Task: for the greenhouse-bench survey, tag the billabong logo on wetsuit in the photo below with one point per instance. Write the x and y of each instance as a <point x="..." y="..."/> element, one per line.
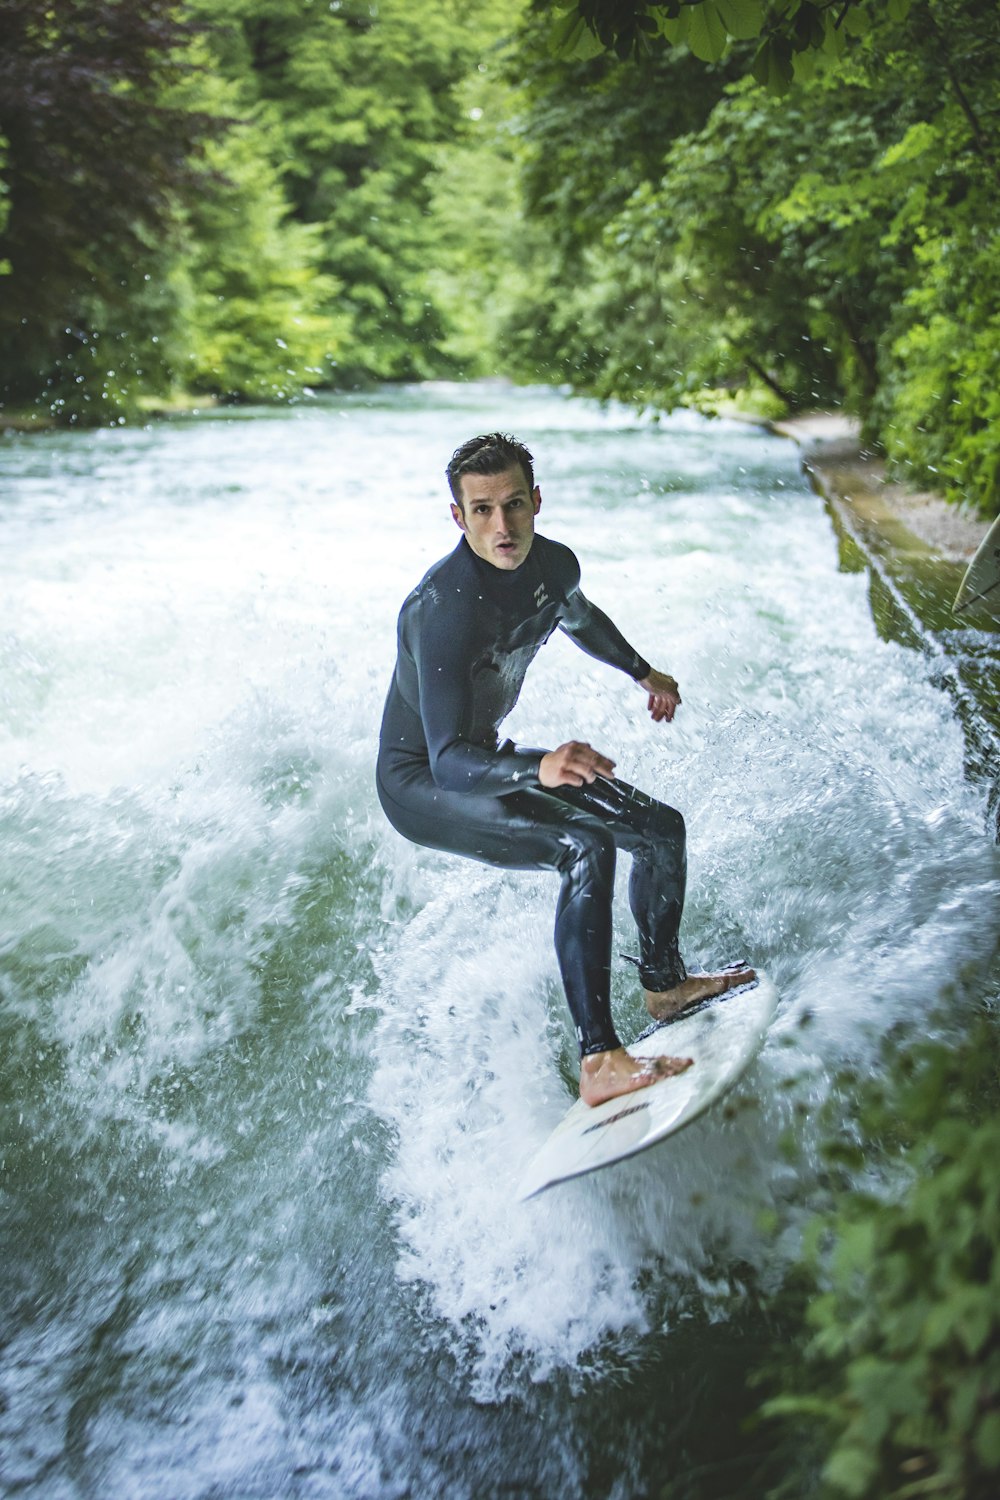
<point x="541" y="597"/>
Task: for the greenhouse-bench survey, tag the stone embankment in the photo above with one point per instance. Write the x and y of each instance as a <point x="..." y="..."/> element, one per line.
<point x="915" y="548"/>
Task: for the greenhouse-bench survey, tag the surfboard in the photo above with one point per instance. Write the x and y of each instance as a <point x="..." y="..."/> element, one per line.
<point x="982" y="576"/>
<point x="722" y="1034"/>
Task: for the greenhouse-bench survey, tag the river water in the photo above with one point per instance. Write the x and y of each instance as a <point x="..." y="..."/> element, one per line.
<point x="270" y="1075"/>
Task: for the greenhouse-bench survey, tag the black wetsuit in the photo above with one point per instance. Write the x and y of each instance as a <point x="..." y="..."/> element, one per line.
<point x="467" y="635"/>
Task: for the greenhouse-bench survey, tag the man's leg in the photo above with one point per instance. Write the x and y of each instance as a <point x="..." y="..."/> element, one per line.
<point x="654" y="835"/>
<point x="533" y="830"/>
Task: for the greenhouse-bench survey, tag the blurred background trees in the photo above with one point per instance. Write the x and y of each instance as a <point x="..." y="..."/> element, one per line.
<point x="91" y="161"/>
<point x="787" y="203"/>
<point x="231" y="197"/>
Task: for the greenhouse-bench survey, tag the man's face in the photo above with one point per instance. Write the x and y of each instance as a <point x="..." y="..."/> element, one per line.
<point x="497" y="515"/>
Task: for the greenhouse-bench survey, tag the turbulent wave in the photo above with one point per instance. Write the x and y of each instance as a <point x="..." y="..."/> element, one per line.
<point x="270" y="1074"/>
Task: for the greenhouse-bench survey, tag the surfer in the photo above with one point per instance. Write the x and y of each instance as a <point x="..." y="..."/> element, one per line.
<point x="466" y="636"/>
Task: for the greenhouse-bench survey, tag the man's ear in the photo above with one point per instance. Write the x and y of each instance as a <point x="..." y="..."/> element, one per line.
<point x="536" y="500"/>
<point x="458" y="516"/>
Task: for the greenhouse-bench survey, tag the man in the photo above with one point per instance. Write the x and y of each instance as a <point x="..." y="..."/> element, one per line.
<point x="466" y="637"/>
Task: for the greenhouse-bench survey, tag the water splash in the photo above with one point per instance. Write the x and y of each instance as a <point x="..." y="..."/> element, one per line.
<point x="270" y="1074"/>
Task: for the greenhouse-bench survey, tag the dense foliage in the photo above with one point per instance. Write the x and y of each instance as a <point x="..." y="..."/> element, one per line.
<point x="663" y="201"/>
<point x="91" y="160"/>
<point x="832" y="239"/>
<point x="901" y="1370"/>
<point x="784" y="30"/>
<point x="234" y="197"/>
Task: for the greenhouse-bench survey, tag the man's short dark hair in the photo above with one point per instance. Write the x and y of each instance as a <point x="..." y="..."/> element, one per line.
<point x="491" y="453"/>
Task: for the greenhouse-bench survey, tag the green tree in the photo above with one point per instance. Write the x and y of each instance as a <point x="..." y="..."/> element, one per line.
<point x="939" y="407"/>
<point x="241" y="197"/>
<point x="485" y="265"/>
<point x="359" y="101"/>
<point x="249" y="313"/>
<point x="590" y="134"/>
<point x="771" y="268"/>
<point x="93" y="161"/>
<point x="831" y="241"/>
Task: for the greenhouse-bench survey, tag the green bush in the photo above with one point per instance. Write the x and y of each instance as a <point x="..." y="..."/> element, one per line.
<point x="941" y="401"/>
<point x="900" y="1374"/>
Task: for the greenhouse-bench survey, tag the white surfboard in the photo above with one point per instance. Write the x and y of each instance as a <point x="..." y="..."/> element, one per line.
<point x="982" y="576"/>
<point x="722" y="1035"/>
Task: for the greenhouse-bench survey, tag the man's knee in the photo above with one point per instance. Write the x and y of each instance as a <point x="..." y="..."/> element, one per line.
<point x="673" y="825"/>
<point x="664" y="825"/>
<point x="588" y="851"/>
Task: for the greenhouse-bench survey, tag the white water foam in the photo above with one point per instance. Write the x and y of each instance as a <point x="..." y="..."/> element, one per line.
<point x="832" y="841"/>
<point x="202" y="631"/>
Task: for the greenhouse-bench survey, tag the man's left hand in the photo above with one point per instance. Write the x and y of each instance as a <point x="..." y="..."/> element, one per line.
<point x="664" y="695"/>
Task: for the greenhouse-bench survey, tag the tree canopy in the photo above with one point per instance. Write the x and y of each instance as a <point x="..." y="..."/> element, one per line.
<point x="832" y="238"/>
<point x="788" y="202"/>
<point x="91" y="160"/>
<point x="785" y="31"/>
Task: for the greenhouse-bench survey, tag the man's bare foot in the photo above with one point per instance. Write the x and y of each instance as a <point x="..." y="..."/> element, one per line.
<point x="662" y="1004"/>
<point x="605" y="1075"/>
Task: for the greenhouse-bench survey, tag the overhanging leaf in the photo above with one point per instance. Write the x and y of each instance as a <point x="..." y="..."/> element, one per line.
<point x="834" y="37"/>
<point x="743" y="18"/>
<point x="573" y="38"/>
<point x="772" y="66"/>
<point x="707" y="34"/>
<point x="804" y="65"/>
<point x="675" y="28"/>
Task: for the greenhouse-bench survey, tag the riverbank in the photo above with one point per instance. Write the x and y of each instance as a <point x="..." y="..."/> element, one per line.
<point x="147" y="409"/>
<point x="915" y="547"/>
<point x="832" y="450"/>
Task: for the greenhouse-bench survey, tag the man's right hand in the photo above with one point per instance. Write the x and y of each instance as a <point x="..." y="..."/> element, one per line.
<point x="573" y="764"/>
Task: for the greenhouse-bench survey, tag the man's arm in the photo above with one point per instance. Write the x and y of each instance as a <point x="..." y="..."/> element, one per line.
<point x="596" y="634"/>
<point x="600" y="637"/>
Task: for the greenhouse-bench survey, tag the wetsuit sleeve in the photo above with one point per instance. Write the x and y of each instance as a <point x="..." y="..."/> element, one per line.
<point x="594" y="633"/>
<point x="445" y="704"/>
